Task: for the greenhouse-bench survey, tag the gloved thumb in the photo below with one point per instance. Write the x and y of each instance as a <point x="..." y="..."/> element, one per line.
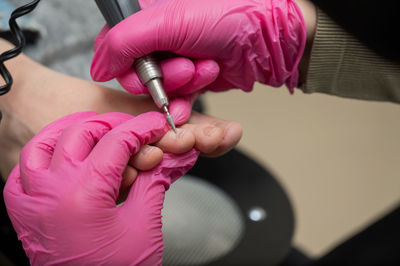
<point x="111" y="154"/>
<point x="181" y="108"/>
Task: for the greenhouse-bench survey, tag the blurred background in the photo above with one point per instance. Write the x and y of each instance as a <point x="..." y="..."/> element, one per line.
<point x="338" y="159"/>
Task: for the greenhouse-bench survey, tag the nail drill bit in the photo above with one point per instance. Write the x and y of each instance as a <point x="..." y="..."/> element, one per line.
<point x="170" y="119"/>
<point x="149" y="73"/>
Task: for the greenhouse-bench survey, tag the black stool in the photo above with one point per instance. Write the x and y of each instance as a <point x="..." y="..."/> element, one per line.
<point x="264" y="207"/>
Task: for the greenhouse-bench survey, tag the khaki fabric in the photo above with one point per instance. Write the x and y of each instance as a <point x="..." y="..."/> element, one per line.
<point x="343" y="66"/>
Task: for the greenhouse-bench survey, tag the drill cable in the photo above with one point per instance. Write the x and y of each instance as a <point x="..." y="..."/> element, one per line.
<point x="20" y="40"/>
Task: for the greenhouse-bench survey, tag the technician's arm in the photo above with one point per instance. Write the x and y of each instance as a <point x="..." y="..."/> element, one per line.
<point x="373" y="23"/>
<point x="347" y="64"/>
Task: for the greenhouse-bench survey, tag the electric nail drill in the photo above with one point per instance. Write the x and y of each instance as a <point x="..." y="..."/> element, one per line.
<point x="146" y="67"/>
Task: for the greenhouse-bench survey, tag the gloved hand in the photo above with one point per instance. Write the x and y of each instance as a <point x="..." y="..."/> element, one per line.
<point x="61" y="196"/>
<point x="251" y="40"/>
<point x="181" y="76"/>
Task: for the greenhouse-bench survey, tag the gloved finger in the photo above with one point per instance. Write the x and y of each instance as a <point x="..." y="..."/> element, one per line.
<point x="148" y="157"/>
<point x="206" y="73"/>
<point x="13" y="187"/>
<point x="38" y="152"/>
<point x="146" y="3"/>
<point x="116" y="54"/>
<point x="222" y="83"/>
<point x="78" y="140"/>
<point x="176" y="71"/>
<point x="181" y="107"/>
<point x="100" y="37"/>
<point x="14" y="194"/>
<point x="143" y="4"/>
<point x="112" y="153"/>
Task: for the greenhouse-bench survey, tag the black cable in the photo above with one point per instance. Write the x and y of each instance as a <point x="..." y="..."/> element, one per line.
<point x="20" y="40"/>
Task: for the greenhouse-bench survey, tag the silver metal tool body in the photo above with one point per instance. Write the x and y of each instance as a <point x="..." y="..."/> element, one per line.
<point x="149" y="73"/>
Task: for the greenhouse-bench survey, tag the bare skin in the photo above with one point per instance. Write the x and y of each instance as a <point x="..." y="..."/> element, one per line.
<point x="39" y="96"/>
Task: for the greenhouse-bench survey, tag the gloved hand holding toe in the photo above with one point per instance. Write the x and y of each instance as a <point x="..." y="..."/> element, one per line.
<point x="61" y="197"/>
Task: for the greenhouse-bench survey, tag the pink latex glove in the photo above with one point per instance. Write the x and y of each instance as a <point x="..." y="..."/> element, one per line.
<point x="251" y="40"/>
<point x="61" y="196"/>
<point x="181" y="76"/>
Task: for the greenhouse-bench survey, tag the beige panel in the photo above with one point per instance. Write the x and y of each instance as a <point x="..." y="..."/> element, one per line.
<point x="339" y="159"/>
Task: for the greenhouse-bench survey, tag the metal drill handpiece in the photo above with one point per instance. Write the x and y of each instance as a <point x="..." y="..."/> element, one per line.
<point x="150" y="75"/>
